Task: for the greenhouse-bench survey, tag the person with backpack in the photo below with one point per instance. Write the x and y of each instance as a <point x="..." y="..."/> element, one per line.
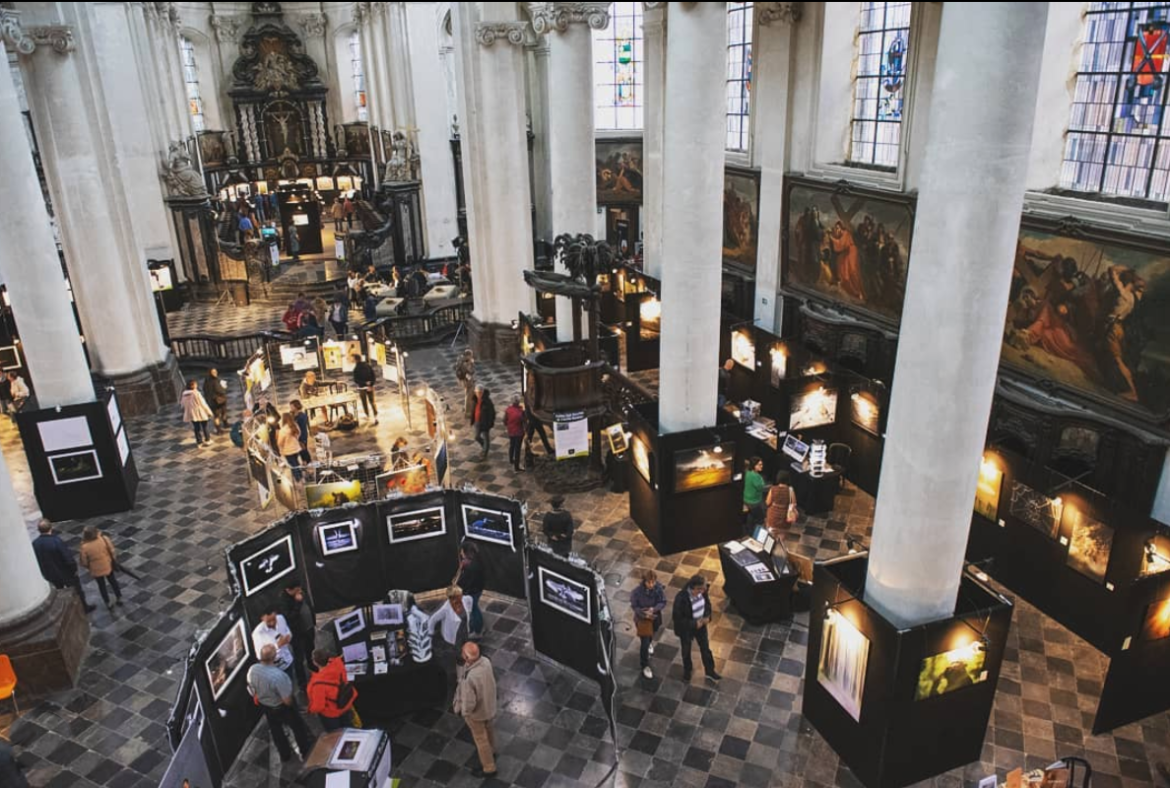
<point x="330" y="693"/>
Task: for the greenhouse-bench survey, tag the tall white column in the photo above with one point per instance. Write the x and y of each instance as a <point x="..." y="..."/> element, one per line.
<point x="654" y="90"/>
<point x="965" y="237"/>
<point x="570" y="29"/>
<point x="379" y="60"/>
<point x="22" y="589"/>
<point x="397" y="55"/>
<point x="692" y="236"/>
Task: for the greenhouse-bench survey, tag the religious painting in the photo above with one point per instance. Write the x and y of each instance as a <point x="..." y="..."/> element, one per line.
<point x="951" y="670"/>
<point x="1156" y="622"/>
<point x="619" y="171"/>
<point x="357" y="140"/>
<point x="843" y="661"/>
<point x="848" y="244"/>
<point x="817" y="408"/>
<point x="1089" y="545"/>
<point x="212" y="148"/>
<point x="702" y="467"/>
<point x="987" y="491"/>
<point x="1036" y="509"/>
<point x="741" y="217"/>
<point x="1089" y="313"/>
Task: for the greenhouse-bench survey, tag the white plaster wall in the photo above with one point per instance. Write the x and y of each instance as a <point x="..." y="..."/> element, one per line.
<point x="1062" y="42"/>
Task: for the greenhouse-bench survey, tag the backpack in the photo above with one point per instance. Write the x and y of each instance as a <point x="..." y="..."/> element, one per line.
<point x="345" y="693"/>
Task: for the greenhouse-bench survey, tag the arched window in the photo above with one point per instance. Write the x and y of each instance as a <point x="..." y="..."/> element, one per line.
<point x="879" y="89"/>
<point x="359" y="76"/>
<point x="739" y="75"/>
<point x="191" y="81"/>
<point x="1117" y="139"/>
<point x="617" y="70"/>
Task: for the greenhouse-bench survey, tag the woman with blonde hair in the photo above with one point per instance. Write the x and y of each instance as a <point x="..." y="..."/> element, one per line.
<point x="288" y="442"/>
<point x="99" y="557"/>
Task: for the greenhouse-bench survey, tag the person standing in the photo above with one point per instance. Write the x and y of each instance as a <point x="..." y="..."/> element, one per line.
<point x="465" y="374"/>
<point x="303" y="624"/>
<point x="288" y="443"/>
<point x="337" y="212"/>
<point x="294" y="242"/>
<point x="453" y="622"/>
<point x="215" y="394"/>
<point x="534" y="426"/>
<point x="514" y="426"/>
<point x="356" y="284"/>
<point x="691" y="614"/>
<point x="302" y="420"/>
<point x="470" y="579"/>
<point x="197" y="412"/>
<point x="781" y="506"/>
<point x="364" y="378"/>
<point x="321" y="309"/>
<point x="348" y="210"/>
<point x="558" y="527"/>
<point x="648" y="601"/>
<point x="5" y="394"/>
<point x="56" y="562"/>
<point x="339" y="315"/>
<point x="98" y="557"/>
<point x="475" y="700"/>
<point x="753" y="492"/>
<point x="272" y="689"/>
<point x="18" y="390"/>
<point x="273" y="630"/>
<point x="330" y="693"/>
<point x="485" y="419"/>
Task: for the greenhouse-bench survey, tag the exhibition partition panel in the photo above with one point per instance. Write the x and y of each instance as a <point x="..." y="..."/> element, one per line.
<point x="263" y="565"/>
<point x="1135" y="685"/>
<point x="496" y="526"/>
<point x="420" y="537"/>
<point x="343" y="556"/>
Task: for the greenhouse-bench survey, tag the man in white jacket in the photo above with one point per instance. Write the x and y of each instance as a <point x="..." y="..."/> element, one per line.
<point x="452" y="621"/>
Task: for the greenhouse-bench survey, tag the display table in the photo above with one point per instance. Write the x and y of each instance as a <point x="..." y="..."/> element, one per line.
<point x="402" y="689"/>
<point x="757" y="602"/>
<point x="328" y="404"/>
<point x="814" y="494"/>
<point x="316" y="771"/>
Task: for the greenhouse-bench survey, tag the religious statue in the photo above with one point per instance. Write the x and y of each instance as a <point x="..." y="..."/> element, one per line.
<point x="179" y="173"/>
<point x="399" y="168"/>
<point x="276" y="72"/>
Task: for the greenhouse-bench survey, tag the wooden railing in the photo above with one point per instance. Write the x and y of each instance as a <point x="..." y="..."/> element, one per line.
<point x="222" y="349"/>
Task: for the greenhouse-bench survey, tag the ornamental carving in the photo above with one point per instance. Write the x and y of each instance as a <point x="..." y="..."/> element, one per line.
<point x="788" y="13"/>
<point x="180" y="176"/>
<point x="168" y="14"/>
<point x="227" y="28"/>
<point x="313" y="24"/>
<point x="558" y="16"/>
<point x="273" y="63"/>
<point x="486" y="33"/>
<point x="25" y="40"/>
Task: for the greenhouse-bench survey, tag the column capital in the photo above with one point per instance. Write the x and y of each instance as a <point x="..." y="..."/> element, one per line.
<point x="787" y="13"/>
<point x="313" y="24"/>
<point x="168" y="14"/>
<point x="25" y="40"/>
<point x="227" y="28"/>
<point x="486" y="33"/>
<point x="547" y="17"/>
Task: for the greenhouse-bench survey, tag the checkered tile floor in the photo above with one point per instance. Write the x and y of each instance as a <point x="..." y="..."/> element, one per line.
<point x="747" y="731"/>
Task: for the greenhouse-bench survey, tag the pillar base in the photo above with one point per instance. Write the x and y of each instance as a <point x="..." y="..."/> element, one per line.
<point x="47" y="646"/>
<point x="148" y="390"/>
<point x="493" y="341"/>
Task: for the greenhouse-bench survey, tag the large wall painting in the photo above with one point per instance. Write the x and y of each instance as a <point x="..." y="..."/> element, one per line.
<point x="848" y="244"/>
<point x="619" y="171"/>
<point x="741" y="217"/>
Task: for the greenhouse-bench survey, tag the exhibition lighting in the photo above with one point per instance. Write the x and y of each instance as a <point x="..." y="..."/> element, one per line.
<point x="988" y="469"/>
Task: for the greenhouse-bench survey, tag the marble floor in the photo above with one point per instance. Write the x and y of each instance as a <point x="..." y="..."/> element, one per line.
<point x="745" y="730"/>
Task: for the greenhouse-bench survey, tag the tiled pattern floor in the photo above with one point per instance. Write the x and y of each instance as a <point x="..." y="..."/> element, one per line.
<point x="748" y="730"/>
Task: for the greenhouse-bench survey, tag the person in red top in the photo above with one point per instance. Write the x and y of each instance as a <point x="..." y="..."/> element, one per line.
<point x="323" y="689"/>
<point x="514" y="424"/>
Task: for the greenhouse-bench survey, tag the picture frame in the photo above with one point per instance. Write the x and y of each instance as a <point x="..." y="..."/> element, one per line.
<point x="617" y="438"/>
<point x="388" y="615"/>
<point x="809" y="409"/>
<point x="488" y="525"/>
<point x="9" y="358"/>
<point x="75" y="466"/>
<point x="743" y="349"/>
<point x="329" y="494"/>
<point x="352" y="623"/>
<point x="951" y="670"/>
<point x="355" y="750"/>
<point x="641" y="458"/>
<point x="418" y="524"/>
<point x="1090" y="544"/>
<point x="568" y="596"/>
<point x="267" y="565"/>
<point x="1156" y="620"/>
<point x="842" y="664"/>
<point x="1036" y="509"/>
<point x="405" y="481"/>
<point x="228" y="659"/>
<point x="703" y="467"/>
<point x="865" y="412"/>
<point x="987" y="491"/>
<point x="618" y="170"/>
<point x="340" y="537"/>
<point x="741" y="216"/>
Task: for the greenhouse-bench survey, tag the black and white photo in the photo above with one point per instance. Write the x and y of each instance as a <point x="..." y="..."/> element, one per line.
<point x="266" y="566"/>
<point x="338" y="537"/>
<point x="565" y="595"/>
<point x="420" y="524"/>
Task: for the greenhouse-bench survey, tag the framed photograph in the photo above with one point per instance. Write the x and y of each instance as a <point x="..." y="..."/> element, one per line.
<point x="9" y="358"/>
<point x="987" y="491"/>
<point x="488" y="525"/>
<point x="951" y="670"/>
<point x="388" y="615"/>
<point x="865" y="412"/>
<point x="817" y="408"/>
<point x="228" y="659"/>
<point x="406" y="481"/>
<point x="350" y="624"/>
<point x="568" y="596"/>
<point x="650" y="319"/>
<point x="264" y="567"/>
<point x="617" y="438"/>
<point x="161" y="279"/>
<point x="320" y="496"/>
<point x="779" y="369"/>
<point x="355" y="750"/>
<point x="1035" y="509"/>
<point x="842" y="664"/>
<point x="1156" y="621"/>
<point x="743" y="349"/>
<point x="706" y="466"/>
<point x="77" y="466"/>
<point x="641" y="456"/>
<point x="284" y="487"/>
<point x="331" y="354"/>
<point x="619" y="171"/>
<point x="1089" y="545"/>
<point x="741" y="217"/>
<point x="441" y="463"/>
<point x="338" y="537"/>
<point x="68" y="433"/>
<point x="421" y="524"/>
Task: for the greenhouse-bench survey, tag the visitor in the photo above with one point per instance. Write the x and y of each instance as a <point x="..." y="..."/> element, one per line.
<point x="339" y="315"/>
<point x="56" y="562"/>
<point x="364" y="378"/>
<point x="534" y="426"/>
<point x="302" y="419"/>
<point x="5" y="394"/>
<point x="356" y="284"/>
<point x="303" y="624"/>
<point x="11" y="771"/>
<point x="302" y="304"/>
<point x="196" y="411"/>
<point x="293" y="239"/>
<point x="725" y="381"/>
<point x="337" y="212"/>
<point x="246" y="227"/>
<point x="321" y="310"/>
<point x="273" y="631"/>
<point x="691" y="614"/>
<point x="753" y="492"/>
<point x="514" y="426"/>
<point x="309" y="326"/>
<point x="291" y="318"/>
<point x="370" y="306"/>
<point x="272" y="689"/>
<point x="330" y="693"/>
<point x="781" y="506"/>
<point x="453" y="623"/>
<point x="98" y="557"/>
<point x="470" y="579"/>
<point x="485" y="419"/>
<point x="349" y="211"/>
<point x="288" y="443"/>
<point x="558" y="527"/>
<point x="399" y="458"/>
<point x="215" y="394"/>
<point x="475" y="700"/>
<point x="18" y="390"/>
<point x="465" y="374"/>
<point x="648" y="601"/>
<point x="309" y="387"/>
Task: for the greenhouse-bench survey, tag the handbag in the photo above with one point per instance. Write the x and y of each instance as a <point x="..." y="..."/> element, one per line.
<point x="645" y="627"/>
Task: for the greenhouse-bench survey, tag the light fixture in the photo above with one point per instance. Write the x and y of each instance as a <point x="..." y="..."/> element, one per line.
<point x="718" y="449"/>
<point x="988" y="469"/>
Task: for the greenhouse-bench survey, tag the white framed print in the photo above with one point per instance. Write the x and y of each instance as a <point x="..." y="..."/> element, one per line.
<point x="228" y="659"/>
<point x="75" y="466"/>
<point x="264" y="567"/>
<point x="338" y="537"/>
<point x="568" y="596"/>
<point x="487" y="525"/>
<point x="388" y="615"/>
<point x="419" y="524"/>
<point x="350" y="624"/>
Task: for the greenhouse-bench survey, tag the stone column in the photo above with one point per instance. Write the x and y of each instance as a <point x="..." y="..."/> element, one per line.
<point x="570" y="29"/>
<point x="382" y="110"/>
<point x="397" y="55"/>
<point x="965" y="235"/>
<point x="490" y="73"/>
<point x="692" y="208"/>
<point x="654" y="91"/>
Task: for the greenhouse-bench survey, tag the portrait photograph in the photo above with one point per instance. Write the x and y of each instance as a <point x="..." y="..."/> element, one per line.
<point x="741" y="217"/>
<point x="696" y="469"/>
<point x="565" y="595"/>
<point x="619" y="171"/>
<point x="1089" y="545"/>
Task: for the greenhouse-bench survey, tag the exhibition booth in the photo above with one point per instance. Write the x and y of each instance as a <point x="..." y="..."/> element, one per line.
<point x="360" y="566"/>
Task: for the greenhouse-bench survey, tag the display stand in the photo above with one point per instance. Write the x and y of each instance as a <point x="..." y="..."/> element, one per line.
<point x="317" y="772"/>
<point x="758" y="601"/>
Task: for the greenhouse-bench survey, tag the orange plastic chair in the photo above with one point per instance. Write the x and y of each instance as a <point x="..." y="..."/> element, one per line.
<point x="8" y="681"/>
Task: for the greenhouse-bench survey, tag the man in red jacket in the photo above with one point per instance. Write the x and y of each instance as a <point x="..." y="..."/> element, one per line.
<point x="323" y="690"/>
<point x="514" y="424"/>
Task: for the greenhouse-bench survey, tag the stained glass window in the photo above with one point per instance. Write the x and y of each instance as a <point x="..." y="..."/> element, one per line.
<point x="359" y="76"/>
<point x="879" y="90"/>
<point x="1116" y="142"/>
<point x="617" y="69"/>
<point x="739" y="74"/>
<point x="191" y="80"/>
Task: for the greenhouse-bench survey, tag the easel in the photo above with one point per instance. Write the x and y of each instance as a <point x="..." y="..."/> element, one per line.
<point x="225" y="297"/>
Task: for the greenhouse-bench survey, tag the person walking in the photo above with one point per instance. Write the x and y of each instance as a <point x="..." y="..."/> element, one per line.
<point x="691" y="614"/>
<point x="302" y="419"/>
<point x="534" y="426"/>
<point x="465" y="374"/>
<point x="648" y="601"/>
<point x="302" y="622"/>
<point x="330" y="693"/>
<point x="349" y="211"/>
<point x="288" y="443"/>
<point x="339" y="315"/>
<point x="780" y="505"/>
<point x="485" y="419"/>
<point x="514" y="426"/>
<point x="98" y="556"/>
<point x="475" y="700"/>
<point x="470" y="579"/>
<point x="196" y="412"/>
<point x="215" y="394"/>
<point x="753" y="492"/>
<point x="558" y="527"/>
<point x="272" y="690"/>
<point x="337" y="212"/>
<point x="364" y="378"/>
<point x="56" y="562"/>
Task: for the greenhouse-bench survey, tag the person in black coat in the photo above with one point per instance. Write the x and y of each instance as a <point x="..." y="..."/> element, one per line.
<point x="56" y="562"/>
<point x="303" y="624"/>
<point x="691" y="616"/>
<point x="364" y="378"/>
<point x="485" y="419"/>
<point x="215" y="392"/>
<point x="470" y="579"/>
<point x="558" y="527"/>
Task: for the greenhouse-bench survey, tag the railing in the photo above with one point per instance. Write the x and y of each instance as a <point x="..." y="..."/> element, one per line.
<point x="622" y="393"/>
<point x="221" y="349"/>
<point x="429" y="326"/>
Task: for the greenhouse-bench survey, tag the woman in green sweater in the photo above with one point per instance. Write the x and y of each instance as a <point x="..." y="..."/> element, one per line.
<point x="753" y="492"/>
